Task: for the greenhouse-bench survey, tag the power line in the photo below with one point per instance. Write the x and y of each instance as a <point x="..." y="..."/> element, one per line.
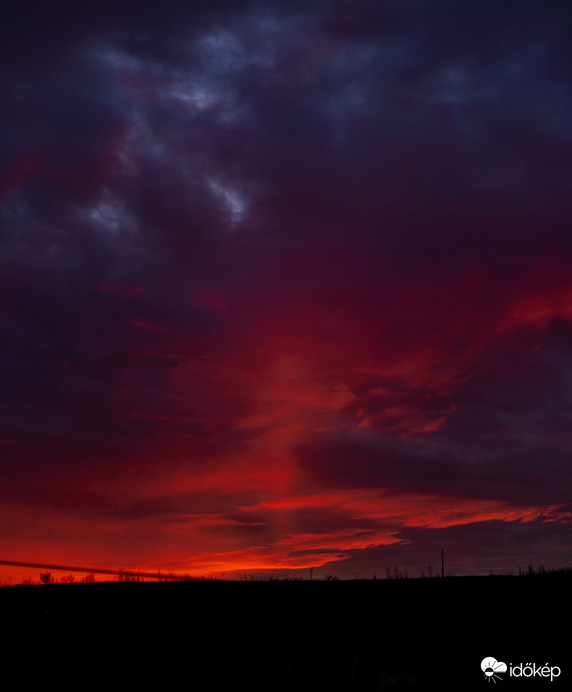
<point x="92" y="570"/>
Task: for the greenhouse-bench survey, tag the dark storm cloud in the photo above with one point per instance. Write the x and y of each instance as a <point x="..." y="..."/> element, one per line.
<point x="507" y="437"/>
<point x="394" y="113"/>
<point x="191" y="192"/>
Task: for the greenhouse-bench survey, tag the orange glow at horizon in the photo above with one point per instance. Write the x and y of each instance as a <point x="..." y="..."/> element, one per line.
<point x="193" y="511"/>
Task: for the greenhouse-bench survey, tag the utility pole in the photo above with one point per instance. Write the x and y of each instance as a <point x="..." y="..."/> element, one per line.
<point x="442" y="563"/>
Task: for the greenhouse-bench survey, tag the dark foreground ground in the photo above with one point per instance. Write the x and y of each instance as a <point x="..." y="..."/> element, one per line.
<point x="359" y="636"/>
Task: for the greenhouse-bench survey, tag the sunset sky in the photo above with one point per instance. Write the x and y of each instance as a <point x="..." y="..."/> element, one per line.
<point x="286" y="285"/>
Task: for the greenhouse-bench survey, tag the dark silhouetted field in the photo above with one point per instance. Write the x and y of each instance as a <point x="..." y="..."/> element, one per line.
<point x="364" y="636"/>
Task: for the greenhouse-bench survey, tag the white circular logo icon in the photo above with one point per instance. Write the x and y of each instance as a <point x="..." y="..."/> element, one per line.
<point x="490" y="667"/>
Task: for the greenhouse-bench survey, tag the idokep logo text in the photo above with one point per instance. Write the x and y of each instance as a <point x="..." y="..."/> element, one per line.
<point x="532" y="670"/>
<point x="493" y="670"/>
